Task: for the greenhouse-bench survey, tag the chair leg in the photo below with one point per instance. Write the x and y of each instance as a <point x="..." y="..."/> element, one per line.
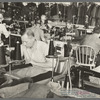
<point x="80" y="81"/>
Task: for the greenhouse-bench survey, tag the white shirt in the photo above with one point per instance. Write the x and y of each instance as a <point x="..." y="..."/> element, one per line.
<point x="39" y="34"/>
<point x="3" y="30"/>
<point x="37" y="53"/>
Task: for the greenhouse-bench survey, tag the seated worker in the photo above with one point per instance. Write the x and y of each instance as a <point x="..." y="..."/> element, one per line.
<point x="3" y="29"/>
<point x="40" y="29"/>
<point x="45" y="26"/>
<point x="69" y="29"/>
<point x="35" y="51"/>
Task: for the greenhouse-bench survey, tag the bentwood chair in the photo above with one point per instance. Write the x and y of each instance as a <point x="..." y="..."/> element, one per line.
<point x="85" y="56"/>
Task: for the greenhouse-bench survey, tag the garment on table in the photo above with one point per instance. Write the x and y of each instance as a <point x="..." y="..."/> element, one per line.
<point x="35" y="91"/>
<point x="8" y="92"/>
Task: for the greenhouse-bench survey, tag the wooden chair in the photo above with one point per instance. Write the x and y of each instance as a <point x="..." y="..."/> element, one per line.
<point x="85" y="56"/>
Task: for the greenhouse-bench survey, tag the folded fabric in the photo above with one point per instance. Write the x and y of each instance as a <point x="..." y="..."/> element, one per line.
<point x="35" y="91"/>
<point x="94" y="80"/>
<point x="8" y="92"/>
<point x="29" y="71"/>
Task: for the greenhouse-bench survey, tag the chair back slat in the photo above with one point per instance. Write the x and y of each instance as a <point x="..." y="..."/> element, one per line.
<point x="90" y="56"/>
<point x="83" y="55"/>
<point x="79" y="55"/>
<point x="86" y="54"/>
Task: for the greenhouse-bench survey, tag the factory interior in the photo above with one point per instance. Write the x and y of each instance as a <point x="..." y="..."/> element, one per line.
<point x="49" y="50"/>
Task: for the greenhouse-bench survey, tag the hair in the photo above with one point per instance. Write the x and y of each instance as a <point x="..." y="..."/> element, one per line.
<point x="29" y="32"/>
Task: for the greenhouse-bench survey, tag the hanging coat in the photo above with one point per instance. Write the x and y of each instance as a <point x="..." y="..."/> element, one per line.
<point x="54" y="10"/>
<point x="81" y="14"/>
<point x="98" y="16"/>
<point x="72" y="10"/>
<point x="41" y="9"/>
<point x="89" y="10"/>
<point x="93" y="14"/>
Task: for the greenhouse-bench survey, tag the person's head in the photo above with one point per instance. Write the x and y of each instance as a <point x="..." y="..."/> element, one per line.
<point x="43" y="17"/>
<point x="28" y="38"/>
<point x="1" y="17"/>
<point x="69" y="24"/>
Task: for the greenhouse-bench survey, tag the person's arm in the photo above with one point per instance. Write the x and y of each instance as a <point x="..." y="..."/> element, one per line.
<point x="46" y="64"/>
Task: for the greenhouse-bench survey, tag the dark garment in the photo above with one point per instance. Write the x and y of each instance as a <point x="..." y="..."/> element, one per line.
<point x="97" y="60"/>
<point x="25" y="11"/>
<point x="34" y="79"/>
<point x="81" y="14"/>
<point x="89" y="9"/>
<point x="6" y="6"/>
<point x="54" y="10"/>
<point x="66" y="10"/>
<point x="98" y="16"/>
<point x="67" y="50"/>
<point x="61" y="9"/>
<point x="1" y="5"/>
<point x="72" y="10"/>
<point x="41" y="9"/>
<point x="89" y="12"/>
<point x="93" y="14"/>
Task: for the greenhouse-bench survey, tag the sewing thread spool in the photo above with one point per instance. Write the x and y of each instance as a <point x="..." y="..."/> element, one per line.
<point x="51" y="48"/>
<point x="17" y="51"/>
<point x="2" y="56"/>
<point x="67" y="49"/>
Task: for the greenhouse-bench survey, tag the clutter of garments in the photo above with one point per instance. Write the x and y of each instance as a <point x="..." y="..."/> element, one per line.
<point x="33" y="37"/>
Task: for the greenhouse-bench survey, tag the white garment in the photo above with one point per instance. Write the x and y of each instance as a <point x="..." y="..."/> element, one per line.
<point x="38" y="33"/>
<point x="3" y="30"/>
<point x="36" y="54"/>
